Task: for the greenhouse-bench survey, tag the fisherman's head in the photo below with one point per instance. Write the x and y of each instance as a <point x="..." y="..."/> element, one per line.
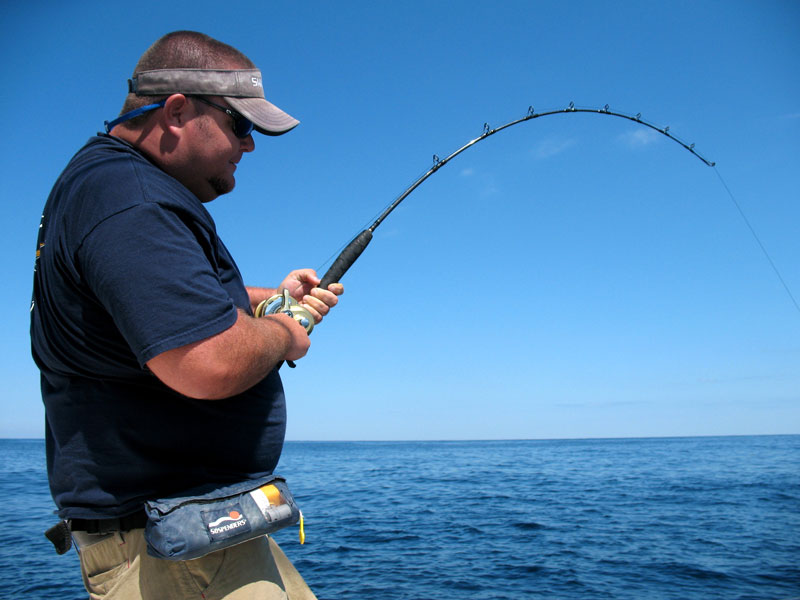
<point x="192" y="105"/>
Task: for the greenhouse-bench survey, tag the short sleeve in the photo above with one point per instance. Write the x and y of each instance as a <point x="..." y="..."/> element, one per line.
<point x="157" y="273"/>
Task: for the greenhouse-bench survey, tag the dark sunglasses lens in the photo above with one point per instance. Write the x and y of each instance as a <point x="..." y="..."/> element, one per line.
<point x="242" y="127"/>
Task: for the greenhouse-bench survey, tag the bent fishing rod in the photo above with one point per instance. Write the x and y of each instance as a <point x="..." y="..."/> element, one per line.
<point x="284" y="303"/>
<point x="353" y="250"/>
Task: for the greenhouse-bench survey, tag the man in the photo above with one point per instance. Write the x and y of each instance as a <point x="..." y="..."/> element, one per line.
<point x="155" y="376"/>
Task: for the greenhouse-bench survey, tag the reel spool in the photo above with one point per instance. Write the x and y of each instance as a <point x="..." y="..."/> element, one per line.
<point x="284" y="303"/>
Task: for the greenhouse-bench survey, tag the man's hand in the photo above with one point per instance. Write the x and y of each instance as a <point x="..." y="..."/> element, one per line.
<point x="302" y="287"/>
<point x="299" y="343"/>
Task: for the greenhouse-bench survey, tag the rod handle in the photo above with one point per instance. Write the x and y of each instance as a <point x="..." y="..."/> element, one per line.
<point x="346" y="259"/>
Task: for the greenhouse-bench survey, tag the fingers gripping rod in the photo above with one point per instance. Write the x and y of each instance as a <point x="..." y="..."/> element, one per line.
<point x="353" y="250"/>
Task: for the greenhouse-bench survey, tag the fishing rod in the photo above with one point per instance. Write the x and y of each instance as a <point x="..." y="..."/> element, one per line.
<point x="348" y="256"/>
<point x="353" y="250"/>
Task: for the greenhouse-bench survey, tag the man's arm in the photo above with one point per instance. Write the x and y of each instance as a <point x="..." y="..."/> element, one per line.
<point x="234" y="360"/>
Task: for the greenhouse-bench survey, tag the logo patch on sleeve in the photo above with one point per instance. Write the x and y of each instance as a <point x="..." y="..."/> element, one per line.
<point x="226" y="523"/>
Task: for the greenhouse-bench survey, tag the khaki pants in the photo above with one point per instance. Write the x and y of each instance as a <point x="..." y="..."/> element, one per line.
<point x="117" y="567"/>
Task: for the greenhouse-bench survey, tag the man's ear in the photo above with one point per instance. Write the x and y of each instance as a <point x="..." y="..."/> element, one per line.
<point x="177" y="112"/>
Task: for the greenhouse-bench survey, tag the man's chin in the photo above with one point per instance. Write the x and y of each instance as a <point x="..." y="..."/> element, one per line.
<point x="222" y="185"/>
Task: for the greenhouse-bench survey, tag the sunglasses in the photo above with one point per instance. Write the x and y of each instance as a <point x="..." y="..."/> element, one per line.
<point x="242" y="127"/>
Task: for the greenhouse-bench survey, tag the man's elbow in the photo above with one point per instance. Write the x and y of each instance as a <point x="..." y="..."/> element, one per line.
<point x="188" y="372"/>
<point x="200" y="384"/>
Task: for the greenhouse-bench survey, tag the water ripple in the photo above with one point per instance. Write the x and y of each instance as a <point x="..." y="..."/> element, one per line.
<point x="682" y="519"/>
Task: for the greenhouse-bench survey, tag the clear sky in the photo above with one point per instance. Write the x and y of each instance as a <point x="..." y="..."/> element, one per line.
<point x="574" y="276"/>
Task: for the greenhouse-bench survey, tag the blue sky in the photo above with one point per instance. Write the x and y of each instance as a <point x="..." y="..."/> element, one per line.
<point x="574" y="276"/>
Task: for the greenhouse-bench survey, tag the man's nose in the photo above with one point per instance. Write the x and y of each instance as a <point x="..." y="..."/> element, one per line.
<point x="247" y="144"/>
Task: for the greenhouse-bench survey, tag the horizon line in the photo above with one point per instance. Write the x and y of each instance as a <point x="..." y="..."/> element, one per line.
<point x="458" y="440"/>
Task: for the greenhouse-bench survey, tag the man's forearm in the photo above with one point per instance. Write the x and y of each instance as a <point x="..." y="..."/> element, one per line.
<point x="232" y="361"/>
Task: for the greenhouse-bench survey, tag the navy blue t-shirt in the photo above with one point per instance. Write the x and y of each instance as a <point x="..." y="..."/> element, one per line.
<point x="128" y="266"/>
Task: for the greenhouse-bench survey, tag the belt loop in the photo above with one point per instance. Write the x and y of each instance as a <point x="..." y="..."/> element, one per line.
<point x="82" y="540"/>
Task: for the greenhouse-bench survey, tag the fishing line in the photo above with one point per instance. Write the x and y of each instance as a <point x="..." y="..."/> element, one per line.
<point x="758" y="240"/>
<point x="356" y="246"/>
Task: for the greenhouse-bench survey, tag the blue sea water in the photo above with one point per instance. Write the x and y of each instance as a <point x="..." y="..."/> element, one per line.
<point x="682" y="518"/>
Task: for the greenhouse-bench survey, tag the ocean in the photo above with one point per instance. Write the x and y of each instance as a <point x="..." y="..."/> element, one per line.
<point x="662" y="518"/>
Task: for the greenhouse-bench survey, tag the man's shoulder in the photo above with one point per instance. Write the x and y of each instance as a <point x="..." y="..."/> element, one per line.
<point x="108" y="175"/>
<point x="107" y="163"/>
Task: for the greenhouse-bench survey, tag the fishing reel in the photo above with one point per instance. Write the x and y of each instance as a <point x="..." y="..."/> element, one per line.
<point x="284" y="303"/>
